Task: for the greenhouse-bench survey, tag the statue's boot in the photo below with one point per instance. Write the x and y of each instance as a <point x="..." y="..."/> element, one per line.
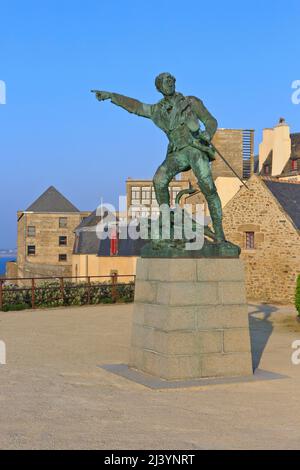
<point x="215" y="209"/>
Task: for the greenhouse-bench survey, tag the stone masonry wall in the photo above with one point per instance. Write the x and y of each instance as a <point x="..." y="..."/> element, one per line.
<point x="230" y="143"/>
<point x="45" y="262"/>
<point x="190" y="319"/>
<point x="11" y="269"/>
<point x="273" y="265"/>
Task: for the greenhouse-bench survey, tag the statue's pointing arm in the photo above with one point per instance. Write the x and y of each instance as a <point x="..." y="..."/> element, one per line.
<point x="210" y="123"/>
<point x="130" y="104"/>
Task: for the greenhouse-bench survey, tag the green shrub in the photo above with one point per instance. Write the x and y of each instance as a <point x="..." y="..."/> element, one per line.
<point x="125" y="292"/>
<point x="107" y="300"/>
<point x="15" y="307"/>
<point x="297" y="296"/>
<point x="49" y="294"/>
<point x="13" y="296"/>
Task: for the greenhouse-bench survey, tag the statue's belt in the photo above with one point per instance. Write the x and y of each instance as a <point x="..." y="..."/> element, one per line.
<point x="195" y="144"/>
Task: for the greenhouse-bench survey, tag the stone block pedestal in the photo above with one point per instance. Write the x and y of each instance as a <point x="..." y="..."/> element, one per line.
<point x="190" y="319"/>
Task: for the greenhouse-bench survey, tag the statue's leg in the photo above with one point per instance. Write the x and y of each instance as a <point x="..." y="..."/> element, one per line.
<point x="173" y="164"/>
<point x="202" y="170"/>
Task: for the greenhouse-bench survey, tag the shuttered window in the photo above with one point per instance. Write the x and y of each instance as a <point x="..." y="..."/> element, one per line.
<point x="250" y="240"/>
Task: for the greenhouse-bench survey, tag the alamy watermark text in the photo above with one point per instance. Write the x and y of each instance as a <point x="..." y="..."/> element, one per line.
<point x="2" y="92"/>
<point x="2" y="353"/>
<point x="296" y="93"/>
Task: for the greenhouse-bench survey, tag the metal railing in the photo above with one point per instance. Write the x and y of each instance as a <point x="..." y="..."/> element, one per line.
<point x="32" y="289"/>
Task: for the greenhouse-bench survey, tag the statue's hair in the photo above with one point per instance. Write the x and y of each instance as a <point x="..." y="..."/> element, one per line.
<point x="160" y="77"/>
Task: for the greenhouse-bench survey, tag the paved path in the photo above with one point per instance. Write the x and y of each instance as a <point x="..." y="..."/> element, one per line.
<point x="53" y="396"/>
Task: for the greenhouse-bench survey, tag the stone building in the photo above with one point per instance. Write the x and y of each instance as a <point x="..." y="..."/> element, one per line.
<point x="265" y="222"/>
<point x="94" y="257"/>
<point x="237" y="146"/>
<point x="279" y="153"/>
<point x="141" y="200"/>
<point x="46" y="236"/>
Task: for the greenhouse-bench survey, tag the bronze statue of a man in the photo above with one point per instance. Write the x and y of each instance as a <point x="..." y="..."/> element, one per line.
<point x="178" y="116"/>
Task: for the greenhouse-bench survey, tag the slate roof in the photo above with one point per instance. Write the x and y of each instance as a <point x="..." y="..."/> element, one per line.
<point x="91" y="221"/>
<point x="87" y="243"/>
<point x="52" y="201"/>
<point x="288" y="196"/>
<point x="127" y="247"/>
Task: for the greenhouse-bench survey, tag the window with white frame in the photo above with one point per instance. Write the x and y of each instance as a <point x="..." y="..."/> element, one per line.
<point x="135" y="195"/>
<point x="135" y="212"/>
<point x="31" y="231"/>
<point x="63" y="222"/>
<point x="146" y="195"/>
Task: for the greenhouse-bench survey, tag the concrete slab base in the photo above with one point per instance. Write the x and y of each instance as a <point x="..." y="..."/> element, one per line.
<point x="156" y="383"/>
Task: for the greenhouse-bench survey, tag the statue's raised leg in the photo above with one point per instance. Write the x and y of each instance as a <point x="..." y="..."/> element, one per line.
<point x="201" y="168"/>
<point x="174" y="164"/>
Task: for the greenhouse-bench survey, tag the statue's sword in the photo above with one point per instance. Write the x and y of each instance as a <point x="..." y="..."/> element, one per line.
<point x="228" y="164"/>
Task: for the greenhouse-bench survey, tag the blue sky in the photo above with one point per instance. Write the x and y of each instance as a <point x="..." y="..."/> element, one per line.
<point x="239" y="58"/>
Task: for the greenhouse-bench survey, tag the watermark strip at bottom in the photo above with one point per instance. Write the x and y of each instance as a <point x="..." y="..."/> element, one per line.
<point x="156" y="383"/>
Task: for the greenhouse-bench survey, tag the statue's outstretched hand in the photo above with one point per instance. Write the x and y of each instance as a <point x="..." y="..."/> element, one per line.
<point x="102" y="95"/>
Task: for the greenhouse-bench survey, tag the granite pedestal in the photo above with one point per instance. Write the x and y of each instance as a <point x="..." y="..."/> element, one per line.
<point x="190" y="319"/>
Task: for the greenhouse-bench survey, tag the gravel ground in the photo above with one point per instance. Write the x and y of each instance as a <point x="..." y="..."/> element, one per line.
<point x="53" y="395"/>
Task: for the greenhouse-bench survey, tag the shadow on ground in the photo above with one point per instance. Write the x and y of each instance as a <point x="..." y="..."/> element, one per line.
<point x="260" y="330"/>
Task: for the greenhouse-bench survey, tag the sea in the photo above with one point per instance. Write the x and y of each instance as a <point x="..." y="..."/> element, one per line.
<point x="3" y="262"/>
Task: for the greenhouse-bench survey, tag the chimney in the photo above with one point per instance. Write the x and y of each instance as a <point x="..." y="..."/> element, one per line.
<point x="282" y="147"/>
<point x="266" y="146"/>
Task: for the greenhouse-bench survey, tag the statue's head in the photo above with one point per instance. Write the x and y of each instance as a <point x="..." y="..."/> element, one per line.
<point x="165" y="84"/>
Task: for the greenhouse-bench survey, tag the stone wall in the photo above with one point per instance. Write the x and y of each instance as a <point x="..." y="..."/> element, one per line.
<point x="11" y="269"/>
<point x="274" y="263"/>
<point x="46" y="270"/>
<point x="230" y="144"/>
<point x="46" y="240"/>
